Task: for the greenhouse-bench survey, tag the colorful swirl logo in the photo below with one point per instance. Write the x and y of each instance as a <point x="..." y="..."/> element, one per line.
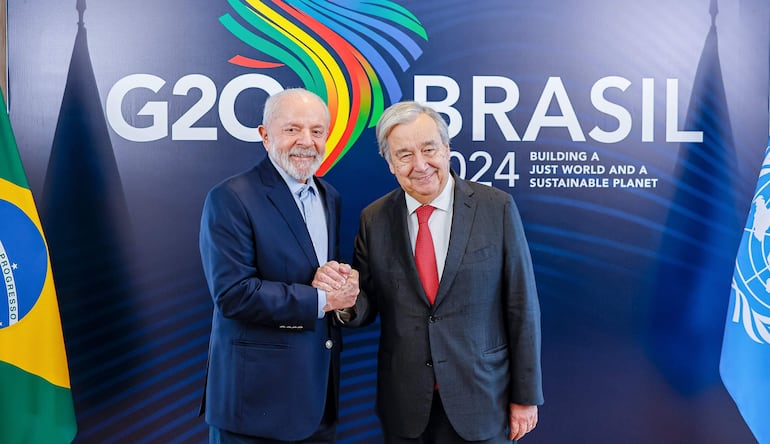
<point x="344" y="51"/>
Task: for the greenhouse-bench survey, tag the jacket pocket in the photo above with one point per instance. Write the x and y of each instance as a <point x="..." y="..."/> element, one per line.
<point x="479" y="254"/>
<point x="245" y="345"/>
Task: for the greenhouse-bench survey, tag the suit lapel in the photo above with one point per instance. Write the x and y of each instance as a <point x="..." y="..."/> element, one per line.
<point x="399" y="246"/>
<point x="331" y="220"/>
<point x="278" y="193"/>
<point x="463" y="211"/>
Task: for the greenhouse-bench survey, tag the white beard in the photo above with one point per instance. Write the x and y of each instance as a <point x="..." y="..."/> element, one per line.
<point x="300" y="173"/>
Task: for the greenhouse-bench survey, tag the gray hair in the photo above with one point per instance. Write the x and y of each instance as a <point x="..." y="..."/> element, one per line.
<point x="273" y="103"/>
<point x="406" y="112"/>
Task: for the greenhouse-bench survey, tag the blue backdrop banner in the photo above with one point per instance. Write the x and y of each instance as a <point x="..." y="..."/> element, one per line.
<point x="630" y="134"/>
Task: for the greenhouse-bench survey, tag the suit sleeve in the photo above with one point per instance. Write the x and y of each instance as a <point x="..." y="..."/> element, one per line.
<point x="239" y="264"/>
<point x="522" y="312"/>
<point x="366" y="304"/>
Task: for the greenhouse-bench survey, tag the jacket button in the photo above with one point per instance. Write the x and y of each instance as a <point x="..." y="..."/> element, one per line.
<point x="328" y="344"/>
<point x="429" y="363"/>
<point x="431" y="319"/>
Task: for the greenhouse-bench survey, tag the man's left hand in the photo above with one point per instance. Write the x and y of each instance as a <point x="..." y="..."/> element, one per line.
<point x="523" y="419"/>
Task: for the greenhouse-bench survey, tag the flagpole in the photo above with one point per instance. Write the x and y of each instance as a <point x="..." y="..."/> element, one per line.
<point x="4" y="50"/>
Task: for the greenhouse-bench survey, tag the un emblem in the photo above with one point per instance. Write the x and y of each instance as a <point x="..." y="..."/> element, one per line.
<point x="751" y="280"/>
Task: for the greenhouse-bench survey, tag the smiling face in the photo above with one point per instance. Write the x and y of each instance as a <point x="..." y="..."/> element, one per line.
<point x="295" y="133"/>
<point x="418" y="158"/>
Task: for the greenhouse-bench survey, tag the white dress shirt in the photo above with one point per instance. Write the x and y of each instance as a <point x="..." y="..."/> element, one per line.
<point x="295" y="186"/>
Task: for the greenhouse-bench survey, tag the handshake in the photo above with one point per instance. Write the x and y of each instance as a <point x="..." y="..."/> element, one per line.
<point x="340" y="282"/>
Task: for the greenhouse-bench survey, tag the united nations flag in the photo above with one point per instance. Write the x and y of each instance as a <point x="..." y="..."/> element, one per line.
<point x="745" y="361"/>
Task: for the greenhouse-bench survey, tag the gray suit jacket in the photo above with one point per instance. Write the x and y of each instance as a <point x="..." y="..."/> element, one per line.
<point x="480" y="341"/>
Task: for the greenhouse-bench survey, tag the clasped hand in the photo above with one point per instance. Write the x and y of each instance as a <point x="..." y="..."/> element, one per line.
<point x="340" y="282"/>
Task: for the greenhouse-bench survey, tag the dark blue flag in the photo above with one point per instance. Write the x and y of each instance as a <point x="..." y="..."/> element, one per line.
<point x="86" y="220"/>
<point x="701" y="235"/>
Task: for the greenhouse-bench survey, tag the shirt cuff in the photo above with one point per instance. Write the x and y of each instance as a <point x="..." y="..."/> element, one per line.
<point x="321" y="303"/>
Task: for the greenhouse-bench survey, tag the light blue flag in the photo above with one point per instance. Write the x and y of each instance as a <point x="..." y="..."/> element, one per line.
<point x="745" y="362"/>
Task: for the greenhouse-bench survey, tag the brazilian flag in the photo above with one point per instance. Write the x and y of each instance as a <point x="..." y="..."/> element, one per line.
<point x="35" y="396"/>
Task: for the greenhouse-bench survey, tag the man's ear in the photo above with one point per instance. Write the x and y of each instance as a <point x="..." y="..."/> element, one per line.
<point x="263" y="134"/>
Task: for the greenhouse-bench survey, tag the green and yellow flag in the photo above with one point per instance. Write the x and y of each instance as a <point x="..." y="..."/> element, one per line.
<point x="35" y="396"/>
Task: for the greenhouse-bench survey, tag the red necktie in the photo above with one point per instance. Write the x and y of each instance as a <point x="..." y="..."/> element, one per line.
<point x="425" y="255"/>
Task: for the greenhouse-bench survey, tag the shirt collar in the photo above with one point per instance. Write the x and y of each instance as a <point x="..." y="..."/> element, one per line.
<point x="294" y="185"/>
<point x="442" y="202"/>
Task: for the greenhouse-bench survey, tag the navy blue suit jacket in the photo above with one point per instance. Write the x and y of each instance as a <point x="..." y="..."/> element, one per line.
<point x="269" y="363"/>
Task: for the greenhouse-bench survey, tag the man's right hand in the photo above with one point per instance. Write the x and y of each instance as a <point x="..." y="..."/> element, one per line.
<point x="340" y="282"/>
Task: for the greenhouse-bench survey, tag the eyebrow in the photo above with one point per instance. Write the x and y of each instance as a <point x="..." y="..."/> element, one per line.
<point x="427" y="143"/>
<point x="302" y="125"/>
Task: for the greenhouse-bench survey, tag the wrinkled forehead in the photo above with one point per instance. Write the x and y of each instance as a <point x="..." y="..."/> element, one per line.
<point x="296" y="106"/>
<point x="415" y="134"/>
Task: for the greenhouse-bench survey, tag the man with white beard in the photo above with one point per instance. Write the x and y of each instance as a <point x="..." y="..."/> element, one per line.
<point x="274" y="354"/>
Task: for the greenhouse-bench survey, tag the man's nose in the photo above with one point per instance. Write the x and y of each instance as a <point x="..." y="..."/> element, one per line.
<point x="305" y="136"/>
<point x="420" y="162"/>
